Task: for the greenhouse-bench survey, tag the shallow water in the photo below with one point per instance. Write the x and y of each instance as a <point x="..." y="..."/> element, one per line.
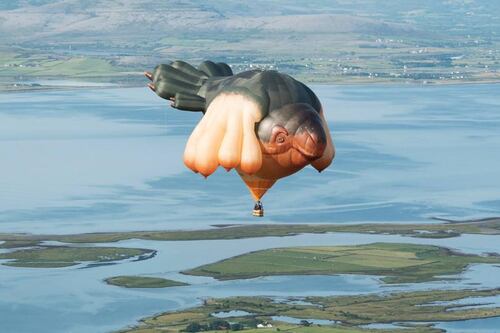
<point x="381" y="326"/>
<point x="111" y="159"/>
<point x="232" y="313"/>
<point x="487" y="325"/>
<point x="293" y="320"/>
<point x="472" y="303"/>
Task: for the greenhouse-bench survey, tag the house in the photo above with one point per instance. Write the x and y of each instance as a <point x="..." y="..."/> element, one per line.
<point x="264" y="325"/>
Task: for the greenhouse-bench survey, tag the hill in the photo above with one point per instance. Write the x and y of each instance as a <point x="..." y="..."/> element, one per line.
<point x="325" y="41"/>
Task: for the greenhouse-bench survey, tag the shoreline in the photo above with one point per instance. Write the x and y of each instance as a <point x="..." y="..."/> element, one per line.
<point x="106" y="85"/>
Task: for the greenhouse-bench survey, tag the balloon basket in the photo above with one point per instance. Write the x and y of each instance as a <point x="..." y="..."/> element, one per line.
<point x="258" y="210"/>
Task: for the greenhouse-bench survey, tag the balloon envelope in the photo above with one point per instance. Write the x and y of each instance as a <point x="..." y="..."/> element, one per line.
<point x="264" y="124"/>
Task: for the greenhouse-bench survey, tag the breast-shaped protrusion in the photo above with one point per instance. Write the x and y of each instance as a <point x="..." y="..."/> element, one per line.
<point x="226" y="136"/>
<point x="230" y="149"/>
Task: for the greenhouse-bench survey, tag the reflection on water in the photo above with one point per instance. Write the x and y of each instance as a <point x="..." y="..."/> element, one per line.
<point x="111" y="159"/>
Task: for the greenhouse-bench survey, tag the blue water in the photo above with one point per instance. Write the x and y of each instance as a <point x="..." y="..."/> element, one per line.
<point x="293" y="320"/>
<point x="471" y="302"/>
<point x="111" y="159"/>
<point x="487" y="325"/>
<point x="229" y="314"/>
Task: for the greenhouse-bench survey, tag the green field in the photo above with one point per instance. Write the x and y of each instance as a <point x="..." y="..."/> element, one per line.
<point x="143" y="282"/>
<point x="423" y="230"/>
<point x="350" y="311"/>
<point x="16" y="67"/>
<point x="396" y="263"/>
<point x="61" y="256"/>
<point x="20" y="62"/>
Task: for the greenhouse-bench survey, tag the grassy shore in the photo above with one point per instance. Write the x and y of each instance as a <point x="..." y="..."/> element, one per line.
<point x="129" y="281"/>
<point x="61" y="256"/>
<point x="349" y="311"/>
<point x="397" y="263"/>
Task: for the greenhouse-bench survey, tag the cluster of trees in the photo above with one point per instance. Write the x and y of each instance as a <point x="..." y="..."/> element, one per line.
<point x="214" y="325"/>
<point x="223" y="325"/>
<point x="305" y="323"/>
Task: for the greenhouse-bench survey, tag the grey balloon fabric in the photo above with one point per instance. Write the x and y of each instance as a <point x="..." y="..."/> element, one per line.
<point x="193" y="89"/>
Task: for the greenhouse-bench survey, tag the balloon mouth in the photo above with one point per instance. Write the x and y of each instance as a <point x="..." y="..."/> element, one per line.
<point x="310" y="144"/>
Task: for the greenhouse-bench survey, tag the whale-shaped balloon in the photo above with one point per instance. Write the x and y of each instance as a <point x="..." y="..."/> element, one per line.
<point x="264" y="124"/>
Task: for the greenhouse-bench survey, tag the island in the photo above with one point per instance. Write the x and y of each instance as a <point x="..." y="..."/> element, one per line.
<point x="63" y="256"/>
<point x="393" y="262"/>
<point x="129" y="281"/>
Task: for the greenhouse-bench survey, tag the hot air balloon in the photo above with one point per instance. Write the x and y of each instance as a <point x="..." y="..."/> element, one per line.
<point x="264" y="124"/>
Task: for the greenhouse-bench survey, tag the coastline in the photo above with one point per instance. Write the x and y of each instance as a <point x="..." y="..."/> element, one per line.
<point x="112" y="85"/>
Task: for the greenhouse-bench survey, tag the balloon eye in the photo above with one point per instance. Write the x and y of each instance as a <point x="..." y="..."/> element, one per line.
<point x="279" y="135"/>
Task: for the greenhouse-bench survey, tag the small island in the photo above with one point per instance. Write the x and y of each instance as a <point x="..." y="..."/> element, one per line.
<point x="130" y="281"/>
<point x="63" y="256"/>
<point x="395" y="263"/>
